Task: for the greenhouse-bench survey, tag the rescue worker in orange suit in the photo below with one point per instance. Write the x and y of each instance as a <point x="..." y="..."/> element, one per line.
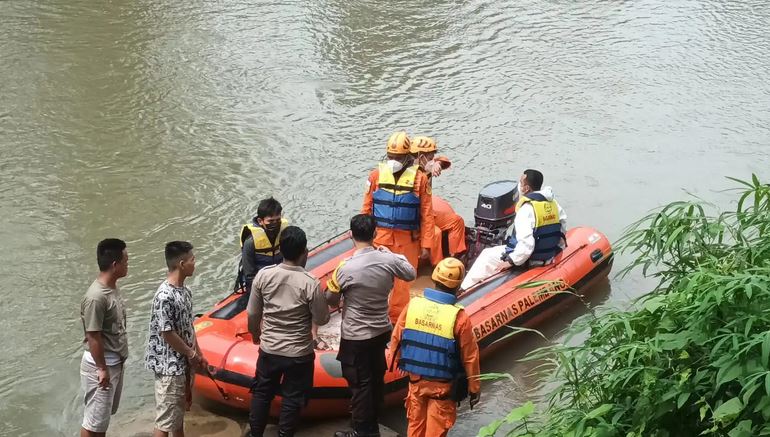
<point x="430" y="323"/>
<point x="398" y="195"/>
<point x="446" y="219"/>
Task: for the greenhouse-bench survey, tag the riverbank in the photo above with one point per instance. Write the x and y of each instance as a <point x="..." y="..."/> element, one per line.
<point x="201" y="422"/>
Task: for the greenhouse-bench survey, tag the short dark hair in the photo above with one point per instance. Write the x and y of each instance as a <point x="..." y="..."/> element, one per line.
<point x="363" y="227"/>
<point x="268" y="207"/>
<point x="534" y="179"/>
<point x="108" y="251"/>
<point x="293" y="243"/>
<point x="175" y="251"/>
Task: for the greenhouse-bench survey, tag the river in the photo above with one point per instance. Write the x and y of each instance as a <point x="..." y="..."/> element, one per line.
<point x="152" y="121"/>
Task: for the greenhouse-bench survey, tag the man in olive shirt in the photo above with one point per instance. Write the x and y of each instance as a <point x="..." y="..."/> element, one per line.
<point x="285" y="300"/>
<point x="365" y="280"/>
<point x="103" y="314"/>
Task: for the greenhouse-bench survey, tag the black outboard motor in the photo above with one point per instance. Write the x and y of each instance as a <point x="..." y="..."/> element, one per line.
<point x="495" y="209"/>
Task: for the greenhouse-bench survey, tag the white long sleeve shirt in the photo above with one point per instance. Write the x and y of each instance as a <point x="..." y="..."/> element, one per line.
<point x="524" y="226"/>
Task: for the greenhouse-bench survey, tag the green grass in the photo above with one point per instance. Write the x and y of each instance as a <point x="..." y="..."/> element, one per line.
<point x="691" y="357"/>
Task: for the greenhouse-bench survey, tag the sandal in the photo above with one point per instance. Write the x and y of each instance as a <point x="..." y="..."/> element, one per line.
<point x="320" y="345"/>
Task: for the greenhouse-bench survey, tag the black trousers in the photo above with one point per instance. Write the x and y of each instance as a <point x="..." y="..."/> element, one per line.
<point x="292" y="378"/>
<point x="363" y="366"/>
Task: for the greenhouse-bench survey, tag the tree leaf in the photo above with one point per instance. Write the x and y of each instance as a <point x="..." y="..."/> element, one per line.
<point x="729" y="373"/>
<point x="742" y="429"/>
<point x="728" y="410"/>
<point x="599" y="411"/>
<point x="521" y="412"/>
<point x="491" y="429"/>
<point x="766" y="350"/>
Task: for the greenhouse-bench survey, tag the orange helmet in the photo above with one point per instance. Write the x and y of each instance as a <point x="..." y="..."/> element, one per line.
<point x="449" y="272"/>
<point x="423" y="145"/>
<point x="399" y="144"/>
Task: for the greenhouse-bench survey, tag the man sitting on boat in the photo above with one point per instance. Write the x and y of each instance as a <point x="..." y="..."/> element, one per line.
<point x="445" y="218"/>
<point x="260" y="241"/>
<point x="539" y="233"/>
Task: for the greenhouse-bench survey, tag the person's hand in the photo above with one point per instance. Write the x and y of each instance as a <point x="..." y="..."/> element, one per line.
<point x="194" y="358"/>
<point x="436" y="170"/>
<point x="424" y="254"/>
<point x="204" y="363"/>
<point x="255" y="337"/>
<point x="474" y="399"/>
<point x="103" y="375"/>
<point x="188" y="397"/>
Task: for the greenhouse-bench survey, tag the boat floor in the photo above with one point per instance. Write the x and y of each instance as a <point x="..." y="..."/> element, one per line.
<point x="330" y="332"/>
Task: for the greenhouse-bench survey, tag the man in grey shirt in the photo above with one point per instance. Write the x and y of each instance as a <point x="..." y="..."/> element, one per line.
<point x="103" y="314"/>
<point x="285" y="300"/>
<point x="365" y="280"/>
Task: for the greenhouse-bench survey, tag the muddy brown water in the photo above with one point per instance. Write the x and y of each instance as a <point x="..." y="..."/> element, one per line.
<point x="154" y="121"/>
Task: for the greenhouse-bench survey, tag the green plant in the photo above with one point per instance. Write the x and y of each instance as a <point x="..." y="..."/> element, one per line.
<point x="692" y="357"/>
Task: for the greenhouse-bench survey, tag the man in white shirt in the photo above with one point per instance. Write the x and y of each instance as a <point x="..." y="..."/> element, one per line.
<point x="539" y="235"/>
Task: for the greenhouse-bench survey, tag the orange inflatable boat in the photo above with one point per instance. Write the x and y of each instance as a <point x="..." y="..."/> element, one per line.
<point x="493" y="305"/>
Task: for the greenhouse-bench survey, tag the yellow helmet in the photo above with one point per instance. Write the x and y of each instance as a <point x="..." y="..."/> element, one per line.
<point x="423" y="145"/>
<point x="399" y="143"/>
<point x="449" y="272"/>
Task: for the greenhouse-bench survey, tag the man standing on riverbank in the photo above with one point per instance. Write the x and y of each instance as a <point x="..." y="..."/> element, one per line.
<point x="365" y="280"/>
<point x="172" y="349"/>
<point x="285" y="300"/>
<point x="103" y="314"/>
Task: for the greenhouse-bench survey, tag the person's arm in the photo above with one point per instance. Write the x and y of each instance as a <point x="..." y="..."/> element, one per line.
<point x="371" y="185"/>
<point x="426" y="214"/>
<point x="167" y="319"/>
<point x="175" y="341"/>
<point x="254" y="310"/>
<point x="402" y="269"/>
<point x="524" y="225"/>
<point x="318" y="307"/>
<point x="249" y="261"/>
<point x="469" y="350"/>
<point x="93" y="320"/>
<point x="96" y="347"/>
<point x="333" y="288"/>
<point x="395" y="339"/>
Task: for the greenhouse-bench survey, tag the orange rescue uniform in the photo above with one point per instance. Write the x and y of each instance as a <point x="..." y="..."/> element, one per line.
<point x="429" y="411"/>
<point x="446" y="219"/>
<point x="404" y="242"/>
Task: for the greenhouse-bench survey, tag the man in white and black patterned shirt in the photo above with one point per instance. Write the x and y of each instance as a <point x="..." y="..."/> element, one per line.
<point x="172" y="348"/>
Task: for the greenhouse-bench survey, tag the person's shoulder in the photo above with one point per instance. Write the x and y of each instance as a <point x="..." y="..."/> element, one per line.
<point x="308" y="277"/>
<point x="462" y="319"/>
<point x="311" y="278"/>
<point x="164" y="292"/>
<point x="267" y="270"/>
<point x="96" y="292"/>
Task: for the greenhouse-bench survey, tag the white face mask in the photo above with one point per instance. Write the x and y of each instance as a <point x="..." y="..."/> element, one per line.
<point x="395" y="166"/>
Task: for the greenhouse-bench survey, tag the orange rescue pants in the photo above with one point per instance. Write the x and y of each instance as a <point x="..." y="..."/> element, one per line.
<point x="446" y="219"/>
<point x="428" y="414"/>
<point x="399" y="297"/>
